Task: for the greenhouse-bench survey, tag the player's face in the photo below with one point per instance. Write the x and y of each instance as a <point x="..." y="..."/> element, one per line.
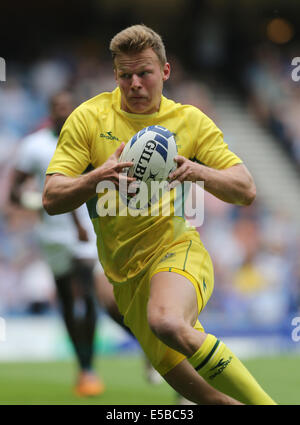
<point x="140" y="77"/>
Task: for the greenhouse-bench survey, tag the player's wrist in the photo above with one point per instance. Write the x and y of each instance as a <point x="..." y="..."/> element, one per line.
<point x="91" y="180"/>
<point x="203" y="173"/>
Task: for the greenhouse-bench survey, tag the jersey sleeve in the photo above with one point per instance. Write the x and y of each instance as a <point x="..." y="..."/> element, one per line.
<point x="72" y="154"/>
<point x="210" y="148"/>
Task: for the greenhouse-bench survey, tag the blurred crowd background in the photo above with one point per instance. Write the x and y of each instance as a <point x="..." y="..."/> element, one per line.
<point x="245" y="46"/>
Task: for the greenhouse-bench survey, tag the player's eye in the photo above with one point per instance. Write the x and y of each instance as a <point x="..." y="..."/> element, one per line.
<point x="144" y="73"/>
<point x="125" y="76"/>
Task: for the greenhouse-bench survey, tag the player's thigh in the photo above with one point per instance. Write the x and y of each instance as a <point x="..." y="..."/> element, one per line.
<point x="188" y="259"/>
<point x="174" y="295"/>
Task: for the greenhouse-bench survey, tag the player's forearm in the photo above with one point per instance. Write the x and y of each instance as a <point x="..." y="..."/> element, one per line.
<point x="64" y="194"/>
<point x="234" y="185"/>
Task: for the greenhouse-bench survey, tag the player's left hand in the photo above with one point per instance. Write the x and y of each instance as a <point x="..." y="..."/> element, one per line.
<point x="186" y="170"/>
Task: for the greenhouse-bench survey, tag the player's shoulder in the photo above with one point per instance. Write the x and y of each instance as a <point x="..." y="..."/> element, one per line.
<point x="170" y="104"/>
<point x="96" y="104"/>
<point x="186" y="112"/>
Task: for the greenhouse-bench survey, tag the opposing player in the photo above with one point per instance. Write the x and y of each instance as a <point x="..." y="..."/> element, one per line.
<point x="67" y="242"/>
<point x="160" y="295"/>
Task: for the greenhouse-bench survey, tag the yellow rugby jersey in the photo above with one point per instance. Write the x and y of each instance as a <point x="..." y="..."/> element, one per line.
<point x="93" y="131"/>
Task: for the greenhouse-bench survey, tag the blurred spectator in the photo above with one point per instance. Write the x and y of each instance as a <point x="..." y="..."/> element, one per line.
<point x="252" y="250"/>
<point x="20" y="111"/>
<point x="48" y="76"/>
<point x="273" y="95"/>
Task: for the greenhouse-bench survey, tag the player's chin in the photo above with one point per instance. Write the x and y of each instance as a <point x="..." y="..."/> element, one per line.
<point x="140" y="107"/>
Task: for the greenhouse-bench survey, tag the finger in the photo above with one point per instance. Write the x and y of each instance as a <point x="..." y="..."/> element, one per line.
<point x="131" y="180"/>
<point x="122" y="165"/>
<point x="128" y="180"/>
<point x="119" y="150"/>
<point x="133" y="188"/>
<point x="124" y="183"/>
<point x="177" y="173"/>
<point x="173" y="184"/>
<point x="179" y="159"/>
<point x="184" y="177"/>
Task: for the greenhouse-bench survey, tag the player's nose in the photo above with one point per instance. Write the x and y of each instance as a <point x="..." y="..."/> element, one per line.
<point x="135" y="82"/>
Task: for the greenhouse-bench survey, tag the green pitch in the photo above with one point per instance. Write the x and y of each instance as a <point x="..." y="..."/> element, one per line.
<point x="52" y="383"/>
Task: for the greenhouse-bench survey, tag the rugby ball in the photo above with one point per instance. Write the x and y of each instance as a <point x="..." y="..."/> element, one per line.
<point x="152" y="151"/>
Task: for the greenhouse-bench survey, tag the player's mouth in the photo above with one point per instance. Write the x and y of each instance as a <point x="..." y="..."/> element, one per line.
<point x="138" y="97"/>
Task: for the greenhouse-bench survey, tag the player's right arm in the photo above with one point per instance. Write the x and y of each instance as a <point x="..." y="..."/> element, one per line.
<point x="64" y="193"/>
<point x="67" y="185"/>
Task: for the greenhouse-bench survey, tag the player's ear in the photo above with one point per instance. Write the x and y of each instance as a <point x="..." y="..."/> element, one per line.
<point x="166" y="71"/>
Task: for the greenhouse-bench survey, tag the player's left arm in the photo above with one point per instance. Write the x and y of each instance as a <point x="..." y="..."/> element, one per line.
<point x="233" y="184"/>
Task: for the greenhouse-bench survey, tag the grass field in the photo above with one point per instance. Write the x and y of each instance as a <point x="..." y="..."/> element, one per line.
<point x="51" y="383"/>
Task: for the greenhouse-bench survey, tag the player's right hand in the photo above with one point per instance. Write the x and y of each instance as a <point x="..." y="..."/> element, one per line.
<point x="114" y="171"/>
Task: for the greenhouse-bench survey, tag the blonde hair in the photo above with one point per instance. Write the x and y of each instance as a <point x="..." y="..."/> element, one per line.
<point x="136" y="39"/>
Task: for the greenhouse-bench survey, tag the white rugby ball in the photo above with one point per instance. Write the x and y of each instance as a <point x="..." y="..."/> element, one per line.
<point x="152" y="151"/>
